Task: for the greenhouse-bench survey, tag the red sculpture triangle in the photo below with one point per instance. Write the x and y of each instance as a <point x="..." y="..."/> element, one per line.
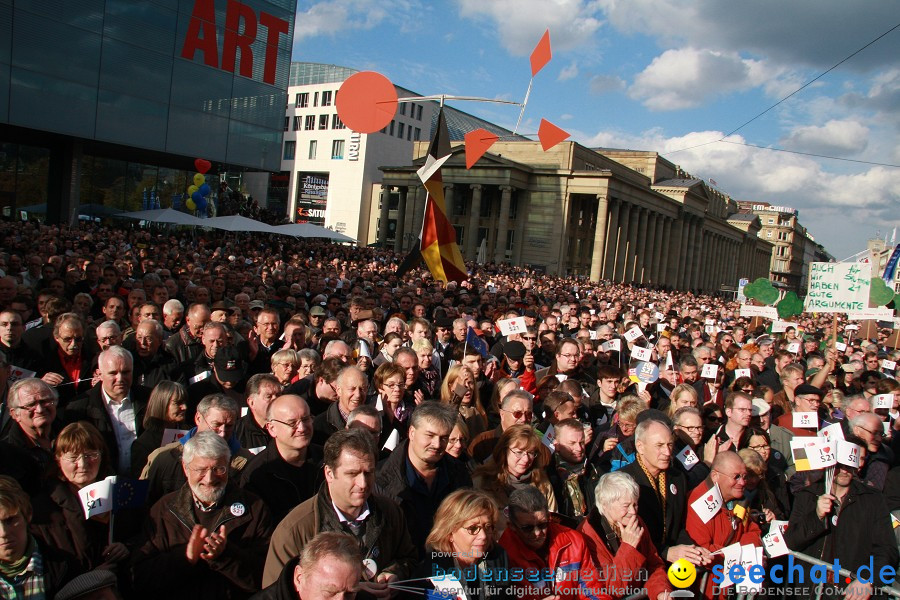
<point x="541" y="54"/>
<point x="477" y="143"/>
<point x="550" y="135"/>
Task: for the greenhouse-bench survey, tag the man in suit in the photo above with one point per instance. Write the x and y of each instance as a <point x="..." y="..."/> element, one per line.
<point x="113" y="407"/>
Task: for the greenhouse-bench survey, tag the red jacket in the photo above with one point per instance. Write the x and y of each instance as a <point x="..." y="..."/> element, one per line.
<point x="722" y="530"/>
<point x="626" y="561"/>
<point x="569" y="565"/>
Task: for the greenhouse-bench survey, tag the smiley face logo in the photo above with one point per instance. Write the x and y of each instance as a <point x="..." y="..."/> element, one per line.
<point x="682" y="573"/>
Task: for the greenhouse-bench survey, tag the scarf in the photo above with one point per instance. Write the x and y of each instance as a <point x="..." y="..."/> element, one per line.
<point x="11" y="570"/>
<point x="570" y="474"/>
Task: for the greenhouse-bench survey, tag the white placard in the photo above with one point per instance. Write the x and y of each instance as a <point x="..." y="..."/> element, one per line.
<point x="172" y="435"/>
<point x="510" y="327"/>
<point x="833" y="433"/>
<point x="633" y="334"/>
<point x="17" y="373"/>
<point x="613" y="344"/>
<point x="688" y="458"/>
<point x="774" y="544"/>
<point x="660" y="327"/>
<point x="642" y="354"/>
<point x="883" y="401"/>
<point x="731" y="556"/>
<point x="710" y="371"/>
<point x="805" y="420"/>
<point x="877" y="314"/>
<point x="812" y="453"/>
<point x="738" y="373"/>
<point x="888" y="365"/>
<point x="840" y="346"/>
<point x="670" y="364"/>
<point x="392" y="441"/>
<point x="709" y="504"/>
<point x="750" y="555"/>
<point x="794" y="348"/>
<point x="594" y="334"/>
<point x="848" y="453"/>
<point x="97" y="498"/>
<point x="766" y="312"/>
<point x="782" y="326"/>
<point x="851" y="327"/>
<point x="659" y="316"/>
<point x="549" y="438"/>
<point x="245" y="410"/>
<point x="449" y="586"/>
<point x="838" y="287"/>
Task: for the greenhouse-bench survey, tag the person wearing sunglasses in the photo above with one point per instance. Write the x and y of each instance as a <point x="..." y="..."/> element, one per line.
<point x="725" y="526"/>
<point x="516" y="408"/>
<point x="619" y="541"/>
<point x="870" y="429"/>
<point x="463" y="538"/>
<point x="532" y="541"/>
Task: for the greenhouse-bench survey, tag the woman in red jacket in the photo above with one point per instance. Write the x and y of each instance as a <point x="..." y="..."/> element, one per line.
<point x="619" y="542"/>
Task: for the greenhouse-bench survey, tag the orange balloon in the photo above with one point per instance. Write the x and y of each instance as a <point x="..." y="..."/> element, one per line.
<point x="366" y="102"/>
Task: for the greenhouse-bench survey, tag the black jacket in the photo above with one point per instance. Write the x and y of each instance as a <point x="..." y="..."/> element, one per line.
<point x="250" y="434"/>
<point x="184" y="347"/>
<point x="280" y="485"/>
<point x="418" y="504"/>
<point x="327" y="423"/>
<point x="283" y="588"/>
<point x="50" y="363"/>
<point x="162" y="366"/>
<point x="91" y="409"/>
<point x="667" y="529"/>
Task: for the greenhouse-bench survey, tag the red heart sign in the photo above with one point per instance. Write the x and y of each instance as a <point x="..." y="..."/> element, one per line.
<point x="827" y="449"/>
<point x="709" y="498"/>
<point x="92" y="493"/>
<point x="775" y="539"/>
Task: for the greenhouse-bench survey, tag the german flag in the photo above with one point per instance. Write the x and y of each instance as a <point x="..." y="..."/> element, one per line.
<point x="438" y="237"/>
<point x="798" y="453"/>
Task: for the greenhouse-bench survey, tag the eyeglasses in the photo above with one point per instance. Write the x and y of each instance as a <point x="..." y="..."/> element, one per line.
<point x="456" y="440"/>
<point x="570" y="356"/>
<point x="518" y="414"/>
<point x="736" y="477"/>
<point x="759" y="447"/>
<point x="89" y="457"/>
<point x="214" y="426"/>
<point x="531" y="529"/>
<point x="395" y="386"/>
<point x="44" y="404"/>
<point x="529" y="339"/>
<point x="220" y="471"/>
<point x="519" y="454"/>
<point x="689" y="428"/>
<point x="108" y="339"/>
<point x="476" y="529"/>
<point x="876" y="433"/>
<point x="69" y="340"/>
<point x="293" y="425"/>
<point x="285" y="365"/>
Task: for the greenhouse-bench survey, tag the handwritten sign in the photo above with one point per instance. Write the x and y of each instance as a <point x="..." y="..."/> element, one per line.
<point x="838" y="287"/>
<point x="878" y="314"/>
<point x="766" y="312"/>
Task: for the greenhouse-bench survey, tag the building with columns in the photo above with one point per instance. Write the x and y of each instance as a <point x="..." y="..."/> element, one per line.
<point x="619" y="215"/>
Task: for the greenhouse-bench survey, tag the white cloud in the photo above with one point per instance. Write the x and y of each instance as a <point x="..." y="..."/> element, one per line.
<point x="521" y="23"/>
<point x="604" y="84"/>
<point x="569" y="72"/>
<point x="687" y="77"/>
<point x="329" y="17"/>
<point x="842" y="138"/>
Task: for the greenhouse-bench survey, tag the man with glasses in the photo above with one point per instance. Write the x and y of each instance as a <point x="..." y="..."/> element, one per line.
<point x="807" y="398"/>
<point x="419" y="474"/>
<point x="515" y="409"/>
<point x="663" y="492"/>
<point x="215" y="532"/>
<point x="217" y="413"/>
<point x="347" y="504"/>
<point x="287" y="471"/>
<point x="32" y="407"/>
<point x="66" y="362"/>
<point x="738" y="412"/>
<point x="879" y="458"/>
<point x="532" y="541"/>
<point x="725" y="527"/>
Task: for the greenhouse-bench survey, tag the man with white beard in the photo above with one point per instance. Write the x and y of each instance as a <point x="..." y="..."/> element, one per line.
<point x="209" y="538"/>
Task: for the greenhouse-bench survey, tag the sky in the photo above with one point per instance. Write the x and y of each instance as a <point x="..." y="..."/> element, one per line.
<point x="679" y="77"/>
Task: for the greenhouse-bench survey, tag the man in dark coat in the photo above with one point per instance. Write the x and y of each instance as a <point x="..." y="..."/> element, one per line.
<point x="185" y="343"/>
<point x="331" y="561"/>
<point x="65" y="360"/>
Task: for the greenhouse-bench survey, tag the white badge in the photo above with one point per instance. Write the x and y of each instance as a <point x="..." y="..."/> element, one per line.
<point x="834" y="520"/>
<point x="370" y="568"/>
<point x="237" y="509"/>
<point x="673" y="489"/>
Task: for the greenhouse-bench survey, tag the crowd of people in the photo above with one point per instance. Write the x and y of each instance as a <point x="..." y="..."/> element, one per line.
<point x="291" y="419"/>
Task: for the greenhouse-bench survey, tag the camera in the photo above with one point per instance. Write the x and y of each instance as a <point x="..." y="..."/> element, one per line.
<point x="758" y="517"/>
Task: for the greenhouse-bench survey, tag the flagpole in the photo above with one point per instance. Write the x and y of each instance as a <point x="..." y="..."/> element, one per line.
<point x="112" y="520"/>
<point x="524" y="104"/>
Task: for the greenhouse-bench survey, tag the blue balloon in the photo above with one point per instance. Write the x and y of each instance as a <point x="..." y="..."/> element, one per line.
<point x="201" y="204"/>
<point x="197" y="197"/>
<point x="204" y="189"/>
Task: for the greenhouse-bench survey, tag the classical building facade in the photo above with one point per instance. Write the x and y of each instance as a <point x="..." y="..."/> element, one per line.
<point x="604" y="214"/>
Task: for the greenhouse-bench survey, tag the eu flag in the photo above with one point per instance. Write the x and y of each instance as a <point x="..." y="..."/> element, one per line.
<point x="130" y="493"/>
<point x="477" y="343"/>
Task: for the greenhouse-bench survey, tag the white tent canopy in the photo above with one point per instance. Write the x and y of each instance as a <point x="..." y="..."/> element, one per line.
<point x="308" y="230"/>
<point x="237" y="223"/>
<point x="164" y="215"/>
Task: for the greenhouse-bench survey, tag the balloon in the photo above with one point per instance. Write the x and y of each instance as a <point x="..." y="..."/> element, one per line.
<point x="196" y="197"/>
<point x="199" y="179"/>
<point x="204" y="189"/>
<point x="201" y="204"/>
<point x="193" y="189"/>
<point x="202" y="165"/>
<point x="190" y="204"/>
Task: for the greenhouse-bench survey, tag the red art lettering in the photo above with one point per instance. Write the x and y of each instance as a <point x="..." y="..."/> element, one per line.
<point x="241" y="28"/>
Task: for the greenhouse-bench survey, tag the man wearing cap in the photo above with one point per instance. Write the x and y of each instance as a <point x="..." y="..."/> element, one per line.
<point x="317" y="316"/>
<point x="762" y="415"/>
<point x="518" y="363"/>
<point x="806" y="399"/>
<point x="850" y="523"/>
<point x="444" y="341"/>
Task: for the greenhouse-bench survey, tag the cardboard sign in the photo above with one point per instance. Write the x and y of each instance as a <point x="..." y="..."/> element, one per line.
<point x="805" y="420"/>
<point x="879" y="314"/>
<point x="889" y="365"/>
<point x="688" y="458"/>
<point x="848" y="453"/>
<point x="172" y="435"/>
<point x="614" y="344"/>
<point x="709" y="504"/>
<point x="643" y="354"/>
<point x="710" y="371"/>
<point x="883" y="401"/>
<point x="510" y="327"/>
<point x="766" y="312"/>
<point x="782" y="326"/>
<point x="738" y="373"/>
<point x="794" y="348"/>
<point x="633" y="334"/>
<point x="838" y="287"/>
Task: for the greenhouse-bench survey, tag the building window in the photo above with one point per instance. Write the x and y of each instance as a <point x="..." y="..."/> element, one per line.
<point x="297" y="123"/>
<point x="310" y="122"/>
<point x="769" y="234"/>
<point x="326" y="98"/>
<point x="337" y="149"/>
<point x="323" y="121"/>
<point x="289" y="148"/>
<point x="403" y="109"/>
<point x="315" y="98"/>
<point x="400" y="130"/>
<point x="419" y="112"/>
<point x="336" y="122"/>
<point x="391" y="130"/>
<point x="313" y="146"/>
<point x="409" y="133"/>
<point x="287" y="123"/>
<point x="418" y="134"/>
<point x="460" y="235"/>
<point x="771" y="221"/>
<point x="302" y="99"/>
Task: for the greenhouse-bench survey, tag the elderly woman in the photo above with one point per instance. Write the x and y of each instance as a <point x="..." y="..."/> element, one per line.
<point x="689" y="433"/>
<point x="615" y="446"/>
<point x="389" y="382"/>
<point x="517" y="461"/>
<point x="463" y="539"/>
<point x="309" y="362"/>
<point x="619" y="541"/>
<point x="166" y="409"/>
<point x="428" y="373"/>
<point x="58" y="520"/>
<point x="459" y="390"/>
<point x="285" y="365"/>
<point x="682" y="395"/>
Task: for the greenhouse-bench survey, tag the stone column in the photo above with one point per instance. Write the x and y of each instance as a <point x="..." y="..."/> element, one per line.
<point x="650" y="249"/>
<point x="612" y="240"/>
<point x="401" y="219"/>
<point x="448" y="201"/>
<point x="419" y="213"/>
<point x="625" y="220"/>
<point x="474" y="216"/>
<point x="502" y="224"/>
<point x="521" y="219"/>
<point x="659" y="258"/>
<point x="667" y="246"/>
<point x="640" y="247"/>
<point x="384" y="215"/>
<point x="674" y="250"/>
<point x="599" y="250"/>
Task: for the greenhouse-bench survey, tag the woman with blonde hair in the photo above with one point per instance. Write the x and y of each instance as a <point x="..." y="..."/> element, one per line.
<point x="518" y="460"/>
<point x="459" y="390"/>
<point x="683" y="394"/>
<point x="428" y="373"/>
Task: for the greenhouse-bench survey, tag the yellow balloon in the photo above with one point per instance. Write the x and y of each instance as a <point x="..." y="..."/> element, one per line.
<point x="192" y="189"/>
<point x="191" y="205"/>
<point x="199" y="179"/>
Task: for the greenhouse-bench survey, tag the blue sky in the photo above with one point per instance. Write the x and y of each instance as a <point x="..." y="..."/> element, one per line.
<point x="665" y="75"/>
